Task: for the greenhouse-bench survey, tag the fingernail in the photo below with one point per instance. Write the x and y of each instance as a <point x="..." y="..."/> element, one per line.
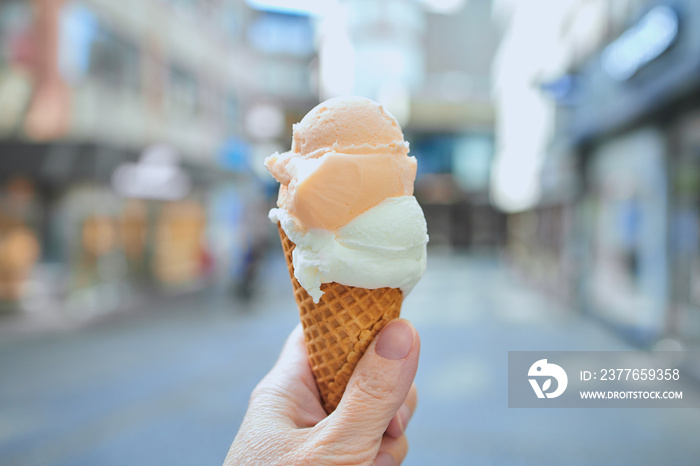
<point x="384" y="459"/>
<point x="395" y="341"/>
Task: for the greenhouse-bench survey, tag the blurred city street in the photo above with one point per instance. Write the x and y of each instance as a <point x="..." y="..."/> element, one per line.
<point x="169" y="385"/>
<point x="552" y="147"/>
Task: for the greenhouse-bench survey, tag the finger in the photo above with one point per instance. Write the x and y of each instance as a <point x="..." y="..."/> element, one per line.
<point x="392" y="451"/>
<point x="293" y="361"/>
<point x="294" y="351"/>
<point x="398" y="423"/>
<point x="380" y="383"/>
<point x="291" y="368"/>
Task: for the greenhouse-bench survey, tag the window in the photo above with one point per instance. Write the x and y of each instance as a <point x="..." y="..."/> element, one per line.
<point x="183" y="93"/>
<point x="114" y="60"/>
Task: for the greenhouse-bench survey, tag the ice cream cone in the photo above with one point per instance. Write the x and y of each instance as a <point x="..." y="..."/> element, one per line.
<point x="339" y="328"/>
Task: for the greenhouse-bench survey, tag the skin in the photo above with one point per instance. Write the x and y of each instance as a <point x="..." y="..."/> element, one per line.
<point x="285" y="423"/>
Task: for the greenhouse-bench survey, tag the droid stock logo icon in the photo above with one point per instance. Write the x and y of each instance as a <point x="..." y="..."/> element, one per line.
<point x="544" y="371"/>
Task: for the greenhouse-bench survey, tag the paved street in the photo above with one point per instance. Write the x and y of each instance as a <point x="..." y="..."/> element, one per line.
<point x="169" y="385"/>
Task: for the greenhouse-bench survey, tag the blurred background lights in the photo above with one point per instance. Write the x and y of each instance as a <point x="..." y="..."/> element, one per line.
<point x="156" y="175"/>
<point x="396" y="97"/>
<point x="336" y="55"/>
<point x="652" y="35"/>
<point x="264" y="121"/>
<point x="514" y="183"/>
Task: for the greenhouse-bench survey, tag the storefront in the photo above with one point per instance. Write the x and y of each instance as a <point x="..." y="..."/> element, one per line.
<point x="75" y="241"/>
<point x="684" y="220"/>
<point x="639" y="207"/>
<point x="626" y="279"/>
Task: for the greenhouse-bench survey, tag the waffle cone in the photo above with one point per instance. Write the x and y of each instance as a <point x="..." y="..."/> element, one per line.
<point x="339" y="328"/>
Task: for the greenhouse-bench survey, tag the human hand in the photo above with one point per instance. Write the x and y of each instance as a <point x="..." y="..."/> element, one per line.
<point x="286" y="424"/>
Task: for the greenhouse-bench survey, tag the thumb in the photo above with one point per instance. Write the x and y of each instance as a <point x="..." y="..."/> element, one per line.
<point x="380" y="383"/>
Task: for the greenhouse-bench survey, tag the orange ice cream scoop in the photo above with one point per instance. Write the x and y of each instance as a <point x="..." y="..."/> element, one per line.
<point x="346" y="124"/>
<point x="348" y="155"/>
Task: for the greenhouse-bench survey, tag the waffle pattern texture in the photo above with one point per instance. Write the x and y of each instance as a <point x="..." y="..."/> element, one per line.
<point x="339" y="329"/>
